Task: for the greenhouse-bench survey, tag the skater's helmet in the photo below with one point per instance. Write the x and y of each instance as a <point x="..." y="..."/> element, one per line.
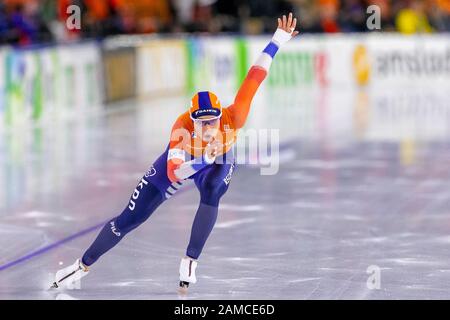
<point x="205" y="106"/>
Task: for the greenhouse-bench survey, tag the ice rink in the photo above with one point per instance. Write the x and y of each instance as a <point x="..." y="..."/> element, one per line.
<point x="363" y="184"/>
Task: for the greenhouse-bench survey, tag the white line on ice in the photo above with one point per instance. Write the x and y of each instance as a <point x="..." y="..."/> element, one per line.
<point x="233" y="207"/>
<point x="304" y="280"/>
<point x="233" y="223"/>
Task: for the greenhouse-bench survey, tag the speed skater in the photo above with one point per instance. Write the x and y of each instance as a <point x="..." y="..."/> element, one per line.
<point x="200" y="149"/>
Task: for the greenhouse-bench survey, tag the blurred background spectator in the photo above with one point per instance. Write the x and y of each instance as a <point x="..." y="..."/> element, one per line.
<point x="413" y="17"/>
<point x="24" y="22"/>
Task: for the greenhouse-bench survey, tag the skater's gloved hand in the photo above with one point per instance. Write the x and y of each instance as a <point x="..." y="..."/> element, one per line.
<point x="286" y="30"/>
<point x="211" y="151"/>
<point x="189" y="168"/>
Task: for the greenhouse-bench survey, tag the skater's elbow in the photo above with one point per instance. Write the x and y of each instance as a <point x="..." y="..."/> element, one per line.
<point x="172" y="176"/>
<point x="175" y="158"/>
<point x="172" y="166"/>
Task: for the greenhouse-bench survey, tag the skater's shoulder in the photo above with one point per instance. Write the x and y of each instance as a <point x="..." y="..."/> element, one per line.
<point x="183" y="121"/>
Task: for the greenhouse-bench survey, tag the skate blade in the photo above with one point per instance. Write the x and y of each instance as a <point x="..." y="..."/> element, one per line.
<point x="53" y="286"/>
<point x="183" y="288"/>
<point x="183" y="291"/>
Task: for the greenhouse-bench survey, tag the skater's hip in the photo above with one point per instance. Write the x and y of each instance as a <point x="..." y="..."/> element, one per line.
<point x="157" y="173"/>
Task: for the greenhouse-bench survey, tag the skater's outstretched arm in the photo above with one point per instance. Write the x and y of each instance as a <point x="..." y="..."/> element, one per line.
<point x="257" y="73"/>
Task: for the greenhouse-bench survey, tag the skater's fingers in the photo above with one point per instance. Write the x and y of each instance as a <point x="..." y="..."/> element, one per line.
<point x="295" y="33"/>
<point x="294" y="24"/>
<point x="279" y="23"/>
<point x="289" y="22"/>
<point x="284" y="22"/>
<point x="212" y="148"/>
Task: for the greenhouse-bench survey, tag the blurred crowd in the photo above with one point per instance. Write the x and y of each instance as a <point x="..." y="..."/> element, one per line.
<point x="25" y="22"/>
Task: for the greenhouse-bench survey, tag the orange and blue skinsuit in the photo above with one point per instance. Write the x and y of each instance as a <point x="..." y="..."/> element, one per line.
<point x="211" y="179"/>
<point x="185" y="145"/>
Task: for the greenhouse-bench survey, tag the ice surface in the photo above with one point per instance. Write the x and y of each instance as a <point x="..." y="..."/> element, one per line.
<point x="362" y="182"/>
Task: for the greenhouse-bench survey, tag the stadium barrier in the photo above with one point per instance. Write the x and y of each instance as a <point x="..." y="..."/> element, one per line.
<point x="216" y="64"/>
<point x="359" y="60"/>
<point x="161" y="67"/>
<point x="3" y="52"/>
<point x="47" y="82"/>
<point x="37" y="83"/>
<point x="119" y="72"/>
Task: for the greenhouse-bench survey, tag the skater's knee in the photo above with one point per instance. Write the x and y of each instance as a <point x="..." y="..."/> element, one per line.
<point x="128" y="221"/>
<point x="211" y="193"/>
<point x="211" y="197"/>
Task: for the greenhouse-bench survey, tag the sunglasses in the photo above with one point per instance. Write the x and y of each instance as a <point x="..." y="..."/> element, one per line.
<point x="207" y="122"/>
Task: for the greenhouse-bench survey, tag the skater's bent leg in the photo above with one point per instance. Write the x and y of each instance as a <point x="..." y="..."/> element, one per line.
<point x="135" y="214"/>
<point x="204" y="222"/>
<point x="212" y="188"/>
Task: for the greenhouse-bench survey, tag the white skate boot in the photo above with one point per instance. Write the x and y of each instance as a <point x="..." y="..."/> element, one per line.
<point x="70" y="276"/>
<point x="187" y="273"/>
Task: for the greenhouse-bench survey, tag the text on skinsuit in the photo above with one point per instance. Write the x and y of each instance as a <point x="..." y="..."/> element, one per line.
<point x="136" y="193"/>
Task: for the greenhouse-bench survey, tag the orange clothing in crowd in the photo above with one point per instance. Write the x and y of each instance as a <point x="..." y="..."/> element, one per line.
<point x="444" y="5"/>
<point x="147" y="9"/>
<point x="98" y="9"/>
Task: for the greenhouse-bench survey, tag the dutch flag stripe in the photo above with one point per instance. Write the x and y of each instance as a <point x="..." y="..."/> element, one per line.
<point x="171" y="190"/>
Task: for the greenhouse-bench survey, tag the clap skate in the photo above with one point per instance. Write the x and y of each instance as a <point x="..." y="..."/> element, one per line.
<point x="187" y="274"/>
<point x="69" y="276"/>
